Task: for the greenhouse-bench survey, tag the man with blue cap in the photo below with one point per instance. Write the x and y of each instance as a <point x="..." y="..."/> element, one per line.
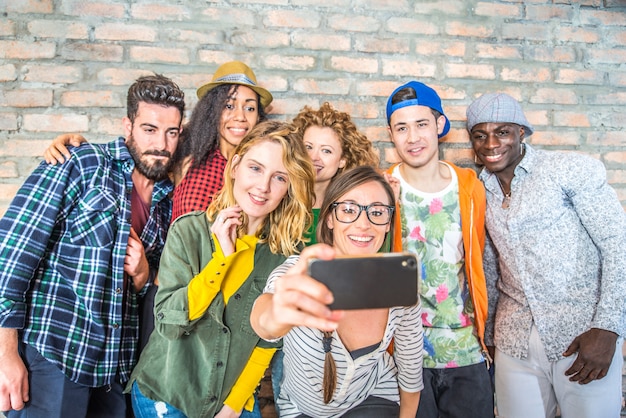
<point x="440" y="218"/>
<point x="556" y="279"/>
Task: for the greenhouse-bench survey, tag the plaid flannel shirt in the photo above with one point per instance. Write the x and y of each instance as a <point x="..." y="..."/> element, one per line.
<point x="62" y="248"/>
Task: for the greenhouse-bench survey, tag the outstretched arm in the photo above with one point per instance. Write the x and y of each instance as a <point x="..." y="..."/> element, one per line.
<point x="57" y="152"/>
<point x="298" y="300"/>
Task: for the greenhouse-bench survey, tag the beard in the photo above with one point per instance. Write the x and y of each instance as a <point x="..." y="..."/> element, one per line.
<point x="156" y="170"/>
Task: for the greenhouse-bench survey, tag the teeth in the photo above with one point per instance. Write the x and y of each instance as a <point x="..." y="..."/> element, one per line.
<point x="257" y="199"/>
<point x="360" y="239"/>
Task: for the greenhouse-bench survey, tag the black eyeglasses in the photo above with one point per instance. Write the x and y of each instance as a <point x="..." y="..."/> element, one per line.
<point x="348" y="212"/>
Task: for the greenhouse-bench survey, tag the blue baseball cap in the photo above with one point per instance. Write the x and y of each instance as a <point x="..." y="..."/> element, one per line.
<point x="426" y="96"/>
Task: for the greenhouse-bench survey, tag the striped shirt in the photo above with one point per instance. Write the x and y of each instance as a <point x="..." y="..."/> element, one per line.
<point x="374" y="374"/>
<point x="62" y="248"/>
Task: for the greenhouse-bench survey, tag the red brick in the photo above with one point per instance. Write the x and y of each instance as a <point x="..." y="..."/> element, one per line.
<point x="188" y="81"/>
<point x="354" y="22"/>
<point x="448" y="49"/>
<point x="29" y="6"/>
<point x="571" y="119"/>
<point x="375" y="88"/>
<point x="499" y="51"/>
<point x="52" y="73"/>
<point x="576" y="34"/>
<point x="292" y="19"/>
<point x="24" y="148"/>
<point x="354" y="65"/>
<point x="7" y="192"/>
<point x="125" y="32"/>
<point x="92" y="52"/>
<point x="617" y="78"/>
<point x="607" y="56"/>
<point x="341" y="4"/>
<point x="55" y="123"/>
<point x="559" y="138"/>
<point x="378" y="134"/>
<point x="455" y="113"/>
<point x="536" y="117"/>
<point x="411" y="26"/>
<point x="289" y="107"/>
<point x="7" y="27"/>
<point x="459" y="156"/>
<point x="26" y="98"/>
<point x="550" y="54"/>
<point x="440" y="8"/>
<point x="616" y="176"/>
<point x="8" y="72"/>
<point x="107" y="9"/>
<point x="573" y="76"/>
<point x="8" y="122"/>
<point x="218" y="58"/>
<point x="201" y="37"/>
<point x="610" y="138"/>
<point x="382" y="46"/>
<point x="494" y="9"/>
<point x="601" y="17"/>
<point x="155" y="11"/>
<point x="614" y="98"/>
<point x="397" y="6"/>
<point x="468" y="30"/>
<point x="542" y="12"/>
<point x="552" y="96"/>
<point x="617" y="37"/>
<point x="254" y="2"/>
<point x="529" y="75"/>
<point x="358" y="110"/>
<point x="317" y="86"/>
<point x="261" y="39"/>
<point x="526" y="31"/>
<point x="273" y="83"/>
<point x="8" y="169"/>
<point x="120" y="76"/>
<point x="478" y="71"/>
<point x="58" y="29"/>
<point x="230" y="16"/>
<point x="618" y="157"/>
<point x="289" y="62"/>
<point x="316" y="41"/>
<point x="101" y="98"/>
<point x="109" y="126"/>
<point x="27" y="50"/>
<point x="456" y="136"/>
<point x="408" y="67"/>
<point x="156" y="54"/>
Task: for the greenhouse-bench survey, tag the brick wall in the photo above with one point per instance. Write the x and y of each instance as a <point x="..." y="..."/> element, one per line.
<point x="65" y="65"/>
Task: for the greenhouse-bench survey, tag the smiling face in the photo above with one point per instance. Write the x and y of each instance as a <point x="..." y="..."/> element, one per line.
<point x="414" y="132"/>
<point x="152" y="138"/>
<point x="261" y="181"/>
<point x="361" y="236"/>
<point x="240" y="115"/>
<point x="498" y="145"/>
<point x="324" y="148"/>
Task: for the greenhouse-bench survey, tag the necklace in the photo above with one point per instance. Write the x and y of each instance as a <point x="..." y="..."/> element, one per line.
<point x="506" y="201"/>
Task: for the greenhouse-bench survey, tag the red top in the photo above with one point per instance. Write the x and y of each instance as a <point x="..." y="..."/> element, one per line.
<point x="197" y="188"/>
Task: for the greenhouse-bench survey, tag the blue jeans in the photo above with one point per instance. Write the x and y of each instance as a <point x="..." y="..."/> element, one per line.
<point x="53" y="395"/>
<point x="459" y="392"/>
<point x="147" y="408"/>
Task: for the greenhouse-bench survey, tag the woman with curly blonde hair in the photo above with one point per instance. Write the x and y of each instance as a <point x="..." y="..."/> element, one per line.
<point x="204" y="359"/>
<point x="334" y="144"/>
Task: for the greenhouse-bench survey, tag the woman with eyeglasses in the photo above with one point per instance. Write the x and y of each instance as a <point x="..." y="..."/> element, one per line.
<point x="336" y="363"/>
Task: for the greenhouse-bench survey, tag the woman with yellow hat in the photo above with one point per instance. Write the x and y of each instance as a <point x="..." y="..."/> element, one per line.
<point x="230" y="105"/>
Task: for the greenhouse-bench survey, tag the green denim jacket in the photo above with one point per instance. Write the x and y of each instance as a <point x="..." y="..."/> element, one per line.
<point x="192" y="365"/>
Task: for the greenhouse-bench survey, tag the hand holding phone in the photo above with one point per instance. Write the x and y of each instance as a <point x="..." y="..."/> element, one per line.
<point x="381" y="280"/>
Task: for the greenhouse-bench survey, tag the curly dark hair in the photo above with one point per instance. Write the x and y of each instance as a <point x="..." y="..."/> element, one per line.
<point x="201" y="135"/>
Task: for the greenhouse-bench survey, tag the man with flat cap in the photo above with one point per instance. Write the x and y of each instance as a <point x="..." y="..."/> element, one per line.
<point x="556" y="270"/>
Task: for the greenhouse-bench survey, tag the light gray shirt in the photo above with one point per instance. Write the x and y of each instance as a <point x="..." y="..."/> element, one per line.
<point x="557" y="256"/>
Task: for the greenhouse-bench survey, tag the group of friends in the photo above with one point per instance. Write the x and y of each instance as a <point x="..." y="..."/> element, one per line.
<point x="161" y="274"/>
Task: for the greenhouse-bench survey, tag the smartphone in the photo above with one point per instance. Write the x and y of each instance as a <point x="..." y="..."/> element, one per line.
<point x="381" y="280"/>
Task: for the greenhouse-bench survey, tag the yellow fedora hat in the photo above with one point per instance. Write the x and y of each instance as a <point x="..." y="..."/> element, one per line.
<point x="236" y="72"/>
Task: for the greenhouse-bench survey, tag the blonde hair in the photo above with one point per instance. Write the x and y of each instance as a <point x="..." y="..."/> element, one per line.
<point x="356" y="149"/>
<point x="284" y="227"/>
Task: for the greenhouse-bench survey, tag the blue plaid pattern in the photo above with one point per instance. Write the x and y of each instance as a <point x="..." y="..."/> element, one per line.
<point x="62" y="247"/>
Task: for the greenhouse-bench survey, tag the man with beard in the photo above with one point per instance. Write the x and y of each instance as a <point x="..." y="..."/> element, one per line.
<point x="79" y="247"/>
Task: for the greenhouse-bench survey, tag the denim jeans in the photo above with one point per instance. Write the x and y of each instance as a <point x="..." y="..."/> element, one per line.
<point x="459" y="392"/>
<point x="147" y="408"/>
